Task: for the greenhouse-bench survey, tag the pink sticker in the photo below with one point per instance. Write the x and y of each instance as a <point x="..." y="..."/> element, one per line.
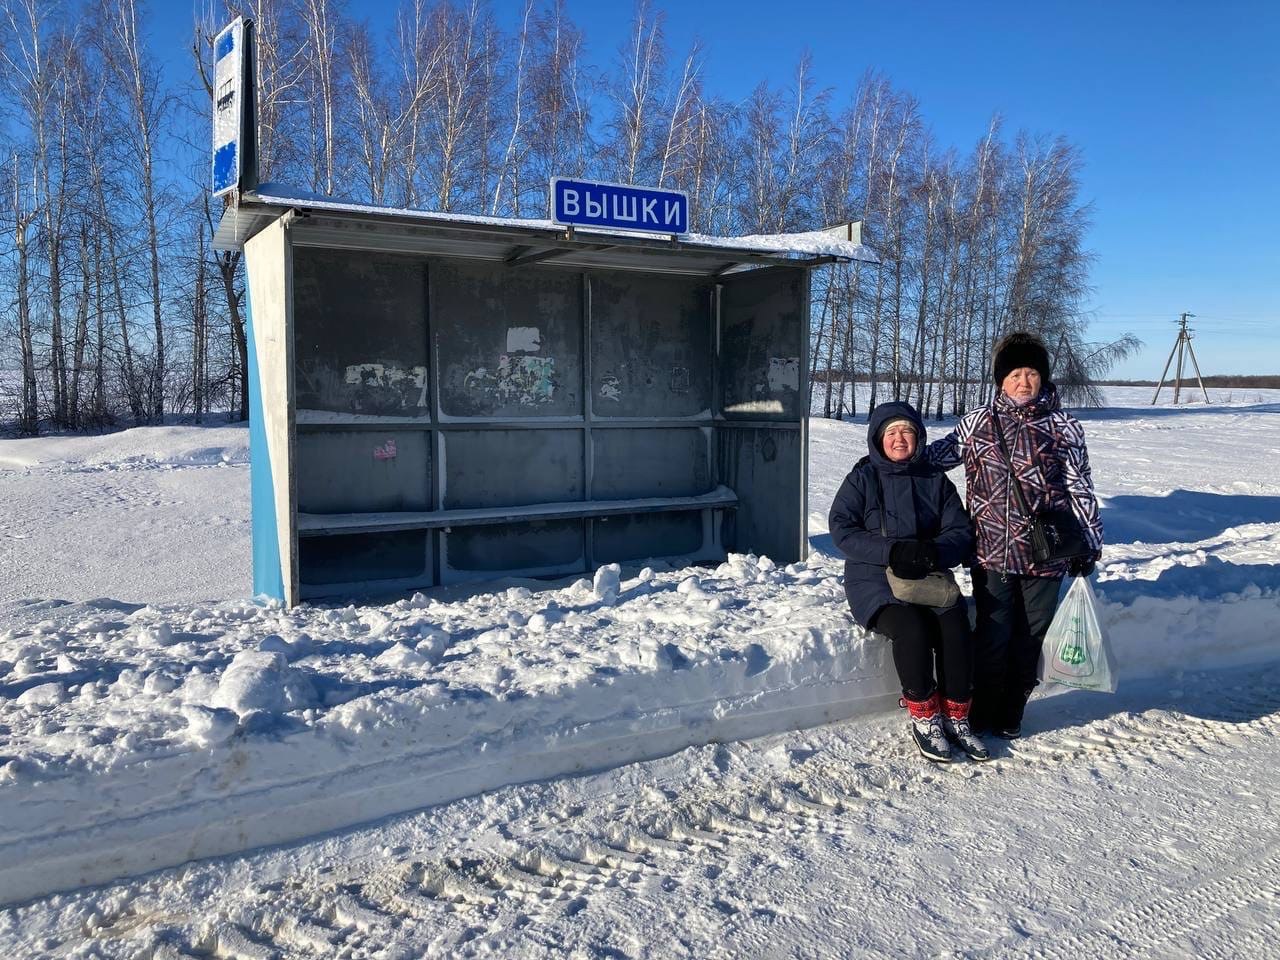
<point x="385" y="452"/>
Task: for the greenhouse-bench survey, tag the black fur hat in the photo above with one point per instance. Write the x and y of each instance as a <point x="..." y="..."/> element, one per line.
<point x="1017" y="350"/>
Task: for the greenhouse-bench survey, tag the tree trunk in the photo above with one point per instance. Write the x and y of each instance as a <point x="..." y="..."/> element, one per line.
<point x="81" y="342"/>
<point x="28" y="412"/>
<point x="227" y="263"/>
<point x="99" y="404"/>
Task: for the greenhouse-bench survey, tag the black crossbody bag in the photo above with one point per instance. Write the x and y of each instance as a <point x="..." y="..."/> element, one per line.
<point x="1055" y="534"/>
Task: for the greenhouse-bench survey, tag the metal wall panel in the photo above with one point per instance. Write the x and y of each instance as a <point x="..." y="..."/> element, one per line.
<point x="361" y="471"/>
<point x="361" y="333"/>
<point x="644" y="535"/>
<point x="642" y="462"/>
<point x="508" y="340"/>
<point x="506" y="468"/>
<point x="537" y="546"/>
<point x="651" y="346"/>
<point x="763" y="322"/>
<point x="364" y="558"/>
<point x="764" y="468"/>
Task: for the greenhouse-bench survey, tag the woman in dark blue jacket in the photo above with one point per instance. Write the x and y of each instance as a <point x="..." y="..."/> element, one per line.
<point x="894" y="511"/>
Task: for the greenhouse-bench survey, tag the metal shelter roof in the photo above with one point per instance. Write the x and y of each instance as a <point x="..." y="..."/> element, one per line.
<point x="320" y="221"/>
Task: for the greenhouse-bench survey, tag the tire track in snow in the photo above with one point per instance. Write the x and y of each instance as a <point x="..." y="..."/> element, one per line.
<point x="1150" y="928"/>
<point x="468" y="891"/>
<point x="1159" y="733"/>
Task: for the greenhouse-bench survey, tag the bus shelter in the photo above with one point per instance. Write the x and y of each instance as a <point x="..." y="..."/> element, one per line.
<point x="441" y="398"/>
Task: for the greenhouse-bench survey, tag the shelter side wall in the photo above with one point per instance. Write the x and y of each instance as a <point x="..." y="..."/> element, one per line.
<point x="763" y="465"/>
<point x="275" y="561"/>
<point x="762" y="437"/>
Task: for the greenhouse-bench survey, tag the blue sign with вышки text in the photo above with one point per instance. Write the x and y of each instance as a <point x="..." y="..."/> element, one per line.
<point x="228" y="108"/>
<point x="588" y="203"/>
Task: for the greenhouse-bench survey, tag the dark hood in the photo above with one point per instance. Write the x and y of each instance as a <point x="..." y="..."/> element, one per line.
<point x="894" y="411"/>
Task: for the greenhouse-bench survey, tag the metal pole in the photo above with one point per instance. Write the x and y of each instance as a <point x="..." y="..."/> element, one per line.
<point x="1166" y="370"/>
<point x="1199" y="379"/>
<point x="1177" y="383"/>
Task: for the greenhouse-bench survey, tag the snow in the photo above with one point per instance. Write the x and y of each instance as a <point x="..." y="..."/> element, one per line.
<point x="180" y="720"/>
<point x="796" y="245"/>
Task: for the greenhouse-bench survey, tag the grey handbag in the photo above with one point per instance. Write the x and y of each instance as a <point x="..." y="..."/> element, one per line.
<point x="936" y="589"/>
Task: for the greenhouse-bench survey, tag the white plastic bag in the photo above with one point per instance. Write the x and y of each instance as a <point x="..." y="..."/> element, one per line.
<point x="1076" y="652"/>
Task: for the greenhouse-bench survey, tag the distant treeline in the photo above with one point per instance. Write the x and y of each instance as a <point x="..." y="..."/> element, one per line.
<point x="1260" y="382"/>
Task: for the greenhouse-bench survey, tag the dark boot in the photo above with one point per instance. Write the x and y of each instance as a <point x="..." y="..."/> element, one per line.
<point x="983" y="712"/>
<point x="926" y="728"/>
<point x="1008" y="722"/>
<point x="955" y="725"/>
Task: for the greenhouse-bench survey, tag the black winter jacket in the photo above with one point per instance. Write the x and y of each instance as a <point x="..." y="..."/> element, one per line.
<point x="919" y="503"/>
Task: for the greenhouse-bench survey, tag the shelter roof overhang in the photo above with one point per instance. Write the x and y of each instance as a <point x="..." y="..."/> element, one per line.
<point x="321" y="221"/>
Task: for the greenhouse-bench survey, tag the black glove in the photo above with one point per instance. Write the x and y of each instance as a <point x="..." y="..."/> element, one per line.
<point x="1082" y="566"/>
<point x="913" y="559"/>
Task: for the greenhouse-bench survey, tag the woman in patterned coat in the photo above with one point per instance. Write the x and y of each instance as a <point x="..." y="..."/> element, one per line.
<point x="1016" y="596"/>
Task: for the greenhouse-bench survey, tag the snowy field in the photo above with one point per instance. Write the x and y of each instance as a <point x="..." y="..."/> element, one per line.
<point x="645" y="763"/>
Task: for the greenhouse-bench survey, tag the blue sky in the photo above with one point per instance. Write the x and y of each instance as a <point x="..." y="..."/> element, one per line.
<point x="1175" y="105"/>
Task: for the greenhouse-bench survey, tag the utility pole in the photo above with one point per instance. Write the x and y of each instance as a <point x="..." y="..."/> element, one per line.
<point x="1182" y="347"/>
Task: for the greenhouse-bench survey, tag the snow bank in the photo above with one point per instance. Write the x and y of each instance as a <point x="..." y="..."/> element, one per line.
<point x="153" y="446"/>
<point x="216" y="729"/>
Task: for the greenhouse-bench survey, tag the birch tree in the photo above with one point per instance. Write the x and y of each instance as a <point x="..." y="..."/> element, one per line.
<point x="322" y="20"/>
<point x="130" y="63"/>
<point x="635" y="93"/>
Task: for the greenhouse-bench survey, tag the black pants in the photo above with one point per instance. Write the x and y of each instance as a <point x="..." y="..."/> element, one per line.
<point x="921" y="637"/>
<point x="1014" y="613"/>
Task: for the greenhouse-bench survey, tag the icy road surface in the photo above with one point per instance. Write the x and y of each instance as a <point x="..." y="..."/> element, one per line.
<point x="1143" y="825"/>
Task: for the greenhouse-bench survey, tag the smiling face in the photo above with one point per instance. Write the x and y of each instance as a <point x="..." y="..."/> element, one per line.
<point x="1022" y="384"/>
<point x="899" y="442"/>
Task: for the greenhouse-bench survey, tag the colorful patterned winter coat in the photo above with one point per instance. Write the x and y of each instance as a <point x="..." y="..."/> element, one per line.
<point x="1052" y="467"/>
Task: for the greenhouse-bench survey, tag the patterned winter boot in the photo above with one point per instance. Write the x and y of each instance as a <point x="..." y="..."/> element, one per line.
<point x="956" y="727"/>
<point x="926" y="728"/>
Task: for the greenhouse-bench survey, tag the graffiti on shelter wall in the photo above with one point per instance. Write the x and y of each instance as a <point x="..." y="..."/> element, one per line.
<point x="366" y="388"/>
<point x="386" y="451"/>
<point x="610" y="389"/>
<point x="528" y="381"/>
<point x="381" y="375"/>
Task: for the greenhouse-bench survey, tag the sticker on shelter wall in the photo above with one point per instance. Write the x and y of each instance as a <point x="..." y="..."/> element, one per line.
<point x="679" y="379"/>
<point x="610" y="388"/>
<point x="523" y="340"/>
<point x="784" y="373"/>
<point x="387" y="451"/>
<point x="524" y="380"/>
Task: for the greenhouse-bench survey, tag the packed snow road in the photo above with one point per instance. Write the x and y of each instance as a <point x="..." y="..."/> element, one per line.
<point x="1143" y="825"/>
